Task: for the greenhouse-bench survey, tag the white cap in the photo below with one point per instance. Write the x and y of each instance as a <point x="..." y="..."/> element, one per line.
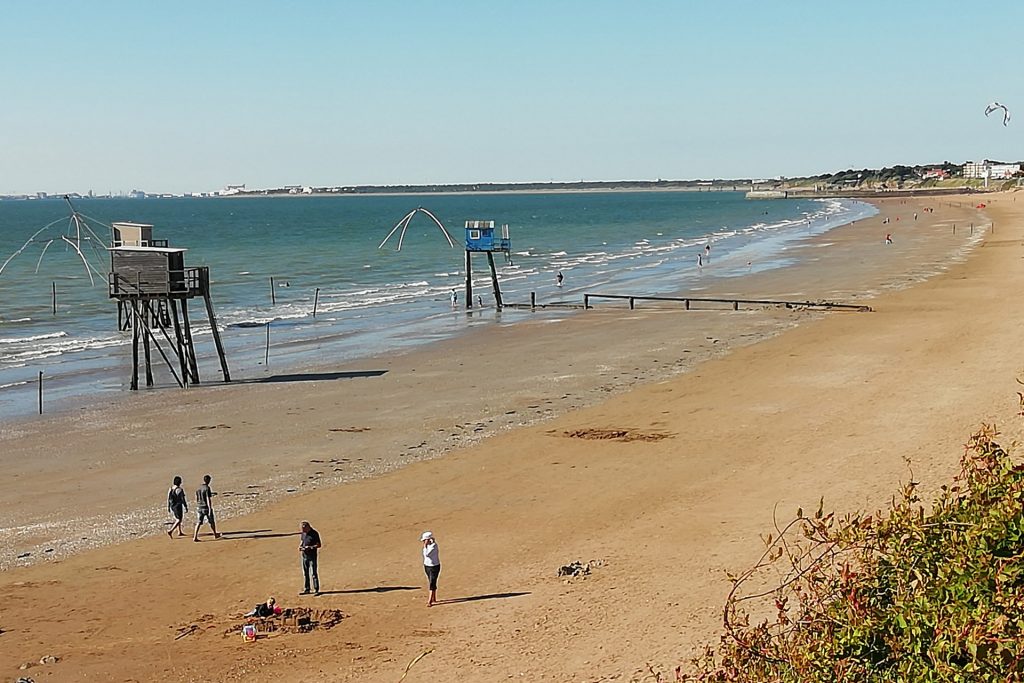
<point x="426" y="535"/>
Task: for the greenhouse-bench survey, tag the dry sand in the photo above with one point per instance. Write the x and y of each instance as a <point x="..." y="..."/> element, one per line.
<point x="709" y="432"/>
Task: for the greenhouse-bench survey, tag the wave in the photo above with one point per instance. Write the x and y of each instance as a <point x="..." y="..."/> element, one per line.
<point x="37" y="337"/>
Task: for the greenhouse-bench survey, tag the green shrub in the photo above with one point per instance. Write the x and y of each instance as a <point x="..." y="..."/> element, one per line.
<point x="913" y="594"/>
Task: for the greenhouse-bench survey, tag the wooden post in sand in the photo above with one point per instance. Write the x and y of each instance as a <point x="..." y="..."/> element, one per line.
<point x="40" y="392"/>
<point x="266" y="354"/>
<point x="586" y="301"/>
<point x="533" y="301"/>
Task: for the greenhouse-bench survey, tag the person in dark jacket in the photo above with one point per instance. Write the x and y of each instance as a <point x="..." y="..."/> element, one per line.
<point x="309" y="544"/>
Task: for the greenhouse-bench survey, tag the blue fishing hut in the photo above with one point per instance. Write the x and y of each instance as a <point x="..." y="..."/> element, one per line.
<point x="481" y="237"/>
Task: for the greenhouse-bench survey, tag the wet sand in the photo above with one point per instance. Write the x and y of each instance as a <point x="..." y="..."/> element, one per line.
<point x="655" y="440"/>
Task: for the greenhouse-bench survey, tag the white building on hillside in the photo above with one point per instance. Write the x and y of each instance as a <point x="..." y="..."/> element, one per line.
<point x="986" y="169"/>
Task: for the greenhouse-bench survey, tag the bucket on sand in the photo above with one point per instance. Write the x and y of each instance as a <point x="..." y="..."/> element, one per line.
<point x="249" y="633"/>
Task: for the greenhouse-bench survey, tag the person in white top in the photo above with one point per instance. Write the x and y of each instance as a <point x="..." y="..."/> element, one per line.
<point x="431" y="564"/>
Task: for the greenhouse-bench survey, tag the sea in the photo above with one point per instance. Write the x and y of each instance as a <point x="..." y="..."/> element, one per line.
<point x="272" y="260"/>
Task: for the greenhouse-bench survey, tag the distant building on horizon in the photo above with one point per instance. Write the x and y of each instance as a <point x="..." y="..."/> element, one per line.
<point x="987" y="169"/>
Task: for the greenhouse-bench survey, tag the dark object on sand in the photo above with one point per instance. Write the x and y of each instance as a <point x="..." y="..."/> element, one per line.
<point x="578" y="568"/>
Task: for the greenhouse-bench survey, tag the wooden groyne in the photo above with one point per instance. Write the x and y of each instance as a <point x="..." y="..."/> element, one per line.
<point x="689" y="301"/>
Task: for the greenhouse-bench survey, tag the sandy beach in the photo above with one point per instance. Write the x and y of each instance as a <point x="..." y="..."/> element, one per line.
<point x="657" y="441"/>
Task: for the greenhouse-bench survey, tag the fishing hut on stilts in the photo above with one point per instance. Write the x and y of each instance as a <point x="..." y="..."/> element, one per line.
<point x="481" y="237"/>
<point x="152" y="287"/>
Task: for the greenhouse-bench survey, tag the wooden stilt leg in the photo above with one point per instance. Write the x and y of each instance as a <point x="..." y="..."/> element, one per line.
<point x="204" y="276"/>
<point x="135" y="349"/>
<point x="469" y="279"/>
<point x="179" y="344"/>
<point x="494" y="280"/>
<point x="145" y="344"/>
<point x="190" y="347"/>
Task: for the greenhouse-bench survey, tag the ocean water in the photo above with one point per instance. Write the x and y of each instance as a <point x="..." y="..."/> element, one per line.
<point x="371" y="300"/>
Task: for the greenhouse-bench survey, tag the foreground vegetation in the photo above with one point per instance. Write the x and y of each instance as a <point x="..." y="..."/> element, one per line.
<point x="918" y="593"/>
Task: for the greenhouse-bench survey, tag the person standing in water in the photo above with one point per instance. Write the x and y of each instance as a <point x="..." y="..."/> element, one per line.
<point x="177" y="505"/>
<point x="454" y="296"/>
<point x="431" y="565"/>
<point x="559" y="278"/>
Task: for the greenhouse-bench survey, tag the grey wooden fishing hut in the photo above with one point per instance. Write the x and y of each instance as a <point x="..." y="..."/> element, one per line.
<point x="152" y="286"/>
<point x="481" y="237"/>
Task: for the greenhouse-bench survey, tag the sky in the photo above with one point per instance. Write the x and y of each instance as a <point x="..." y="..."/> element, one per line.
<point x="191" y="96"/>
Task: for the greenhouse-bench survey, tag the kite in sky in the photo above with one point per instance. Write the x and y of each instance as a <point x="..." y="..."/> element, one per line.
<point x="995" y="105"/>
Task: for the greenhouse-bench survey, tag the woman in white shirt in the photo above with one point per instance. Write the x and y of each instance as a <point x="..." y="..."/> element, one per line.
<point x="431" y="564"/>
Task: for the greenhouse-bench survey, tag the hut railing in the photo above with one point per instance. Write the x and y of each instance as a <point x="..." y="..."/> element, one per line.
<point x="187" y="282"/>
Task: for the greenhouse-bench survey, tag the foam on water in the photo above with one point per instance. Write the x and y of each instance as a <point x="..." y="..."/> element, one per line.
<point x="371" y="300"/>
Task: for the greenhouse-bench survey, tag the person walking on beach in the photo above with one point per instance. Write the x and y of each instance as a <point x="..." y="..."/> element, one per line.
<point x="309" y="543"/>
<point x="204" y="508"/>
<point x="176" y="505"/>
<point x="431" y="565"/>
<point x="454" y="296"/>
<point x="888" y="238"/>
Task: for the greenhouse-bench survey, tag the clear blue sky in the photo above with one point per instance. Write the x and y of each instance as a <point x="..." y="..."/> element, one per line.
<point x="188" y="96"/>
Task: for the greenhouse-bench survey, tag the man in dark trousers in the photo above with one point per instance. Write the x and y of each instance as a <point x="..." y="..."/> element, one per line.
<point x="309" y="543"/>
<point x="204" y="508"/>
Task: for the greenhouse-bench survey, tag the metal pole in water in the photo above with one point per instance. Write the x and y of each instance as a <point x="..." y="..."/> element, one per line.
<point x="55" y="298"/>
<point x="316" y="300"/>
<point x="273" y="297"/>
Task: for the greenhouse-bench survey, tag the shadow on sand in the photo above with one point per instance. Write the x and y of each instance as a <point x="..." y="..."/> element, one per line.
<point x="312" y="377"/>
<point x="375" y="589"/>
<point x="257" y="533"/>
<point x="473" y="598"/>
